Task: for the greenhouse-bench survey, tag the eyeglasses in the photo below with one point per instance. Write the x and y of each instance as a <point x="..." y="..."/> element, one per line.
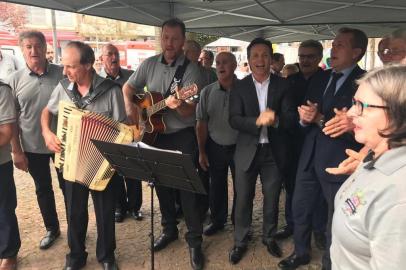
<point x="307" y="56"/>
<point x="391" y="52"/>
<point x="359" y="106"/>
<point x="110" y="54"/>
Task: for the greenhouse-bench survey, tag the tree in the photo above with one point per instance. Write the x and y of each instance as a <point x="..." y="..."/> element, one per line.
<point x="202" y="39"/>
<point x="12" y="16"/>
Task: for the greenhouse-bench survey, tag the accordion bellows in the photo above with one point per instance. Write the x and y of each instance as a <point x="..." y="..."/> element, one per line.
<point x="79" y="160"/>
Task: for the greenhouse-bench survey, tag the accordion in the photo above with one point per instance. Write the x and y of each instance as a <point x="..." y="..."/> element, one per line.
<point x="79" y="159"/>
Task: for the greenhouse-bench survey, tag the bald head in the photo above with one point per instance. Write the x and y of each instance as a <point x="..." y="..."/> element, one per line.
<point x="110" y="59"/>
<point x="228" y="55"/>
<point x="225" y="67"/>
<point x="397" y="46"/>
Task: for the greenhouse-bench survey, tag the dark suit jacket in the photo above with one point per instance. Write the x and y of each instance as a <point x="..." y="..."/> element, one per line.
<point x="244" y="111"/>
<point x="298" y="89"/>
<point x="324" y="150"/>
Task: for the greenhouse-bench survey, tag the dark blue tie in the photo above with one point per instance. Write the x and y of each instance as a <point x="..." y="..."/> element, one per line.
<point x="328" y="97"/>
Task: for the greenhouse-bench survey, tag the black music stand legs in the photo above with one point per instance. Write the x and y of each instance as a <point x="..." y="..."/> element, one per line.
<point x="156" y="166"/>
<point x="151" y="184"/>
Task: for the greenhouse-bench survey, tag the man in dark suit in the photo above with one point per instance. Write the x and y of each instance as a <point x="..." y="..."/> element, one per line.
<point x="310" y="54"/>
<point x="328" y="134"/>
<point x="261" y="112"/>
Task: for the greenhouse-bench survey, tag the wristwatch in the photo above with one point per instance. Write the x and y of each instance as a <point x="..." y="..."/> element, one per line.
<point x="321" y="123"/>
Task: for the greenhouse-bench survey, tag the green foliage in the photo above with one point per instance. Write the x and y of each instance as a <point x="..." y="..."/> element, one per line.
<point x="202" y="39"/>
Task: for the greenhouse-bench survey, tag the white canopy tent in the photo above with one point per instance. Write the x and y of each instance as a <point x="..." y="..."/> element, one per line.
<point x="278" y="20"/>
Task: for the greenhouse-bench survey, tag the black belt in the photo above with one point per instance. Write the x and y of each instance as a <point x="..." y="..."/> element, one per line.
<point x="262" y="145"/>
<point x="227" y="146"/>
<point x="224" y="146"/>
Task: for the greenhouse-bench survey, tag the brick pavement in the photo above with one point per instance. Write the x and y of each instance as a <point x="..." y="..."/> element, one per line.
<point x="133" y="240"/>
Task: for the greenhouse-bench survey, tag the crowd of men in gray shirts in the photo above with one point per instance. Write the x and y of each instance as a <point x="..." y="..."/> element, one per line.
<point x="255" y="126"/>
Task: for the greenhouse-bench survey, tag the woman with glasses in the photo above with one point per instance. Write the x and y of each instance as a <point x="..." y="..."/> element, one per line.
<point x="369" y="224"/>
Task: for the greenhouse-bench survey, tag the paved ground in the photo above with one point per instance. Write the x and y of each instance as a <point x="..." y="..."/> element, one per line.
<point x="133" y="239"/>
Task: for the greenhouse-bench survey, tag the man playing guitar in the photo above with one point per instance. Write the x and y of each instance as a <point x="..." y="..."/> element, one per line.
<point x="164" y="73"/>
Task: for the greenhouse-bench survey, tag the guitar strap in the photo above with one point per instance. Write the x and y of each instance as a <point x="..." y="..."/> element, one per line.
<point x="177" y="78"/>
<point x="76" y="98"/>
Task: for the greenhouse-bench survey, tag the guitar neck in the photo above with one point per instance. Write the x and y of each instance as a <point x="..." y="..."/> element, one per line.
<point x="182" y="94"/>
<point x="160" y="105"/>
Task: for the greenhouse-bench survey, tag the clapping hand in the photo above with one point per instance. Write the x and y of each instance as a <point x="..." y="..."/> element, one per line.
<point x="339" y="124"/>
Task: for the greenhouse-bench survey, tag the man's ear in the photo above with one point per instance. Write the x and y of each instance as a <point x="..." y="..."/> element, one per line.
<point x="88" y="67"/>
<point x="356" y="52"/>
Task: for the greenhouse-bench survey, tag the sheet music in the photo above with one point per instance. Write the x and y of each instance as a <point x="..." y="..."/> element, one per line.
<point x="147" y="146"/>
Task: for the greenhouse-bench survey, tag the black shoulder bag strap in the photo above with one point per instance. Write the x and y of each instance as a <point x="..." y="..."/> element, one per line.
<point x="75" y="97"/>
<point x="177" y="78"/>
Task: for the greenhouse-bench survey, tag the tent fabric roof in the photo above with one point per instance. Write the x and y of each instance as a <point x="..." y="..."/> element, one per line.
<point x="278" y="20"/>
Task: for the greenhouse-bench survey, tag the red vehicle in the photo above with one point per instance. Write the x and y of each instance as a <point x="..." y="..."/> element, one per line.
<point x="132" y="53"/>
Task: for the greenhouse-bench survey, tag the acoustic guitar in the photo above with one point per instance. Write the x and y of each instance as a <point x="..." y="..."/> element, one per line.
<point x="151" y="107"/>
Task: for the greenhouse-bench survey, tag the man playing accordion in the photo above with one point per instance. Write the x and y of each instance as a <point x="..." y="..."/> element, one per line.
<point x="92" y="93"/>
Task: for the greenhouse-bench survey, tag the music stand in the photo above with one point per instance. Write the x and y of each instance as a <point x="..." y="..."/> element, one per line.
<point x="156" y="166"/>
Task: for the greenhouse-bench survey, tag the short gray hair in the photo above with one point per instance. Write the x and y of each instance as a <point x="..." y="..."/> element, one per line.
<point x="311" y="43"/>
<point x="389" y="84"/>
<point x="229" y="55"/>
<point x="32" y="34"/>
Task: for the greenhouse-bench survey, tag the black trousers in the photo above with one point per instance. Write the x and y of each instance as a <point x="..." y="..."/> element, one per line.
<point x="104" y="205"/>
<point x="9" y="234"/>
<point x="263" y="164"/>
<point x="203" y="199"/>
<point x="39" y="169"/>
<point x="128" y="193"/>
<point x="221" y="158"/>
<point x="319" y="218"/>
<point x="309" y="184"/>
<point x="184" y="141"/>
<point x="329" y="190"/>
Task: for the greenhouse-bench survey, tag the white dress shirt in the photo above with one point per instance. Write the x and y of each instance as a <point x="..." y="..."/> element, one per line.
<point x="262" y="94"/>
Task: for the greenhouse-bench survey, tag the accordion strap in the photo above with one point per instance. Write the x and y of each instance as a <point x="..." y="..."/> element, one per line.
<point x="80" y="102"/>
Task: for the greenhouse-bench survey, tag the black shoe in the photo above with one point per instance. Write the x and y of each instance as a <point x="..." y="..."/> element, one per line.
<point x="320" y="240"/>
<point x="283" y="233"/>
<point x="68" y="267"/>
<point x="137" y="215"/>
<point x="119" y="215"/>
<point x="196" y="258"/>
<point x="71" y="268"/>
<point x="273" y="248"/>
<point x="110" y="266"/>
<point x="212" y="229"/>
<point x="163" y="240"/>
<point x="292" y="262"/>
<point x="236" y="254"/>
<point x="49" y="239"/>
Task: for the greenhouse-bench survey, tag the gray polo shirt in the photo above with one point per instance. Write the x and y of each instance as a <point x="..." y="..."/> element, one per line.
<point x="31" y="93"/>
<point x="110" y="104"/>
<point x="156" y="75"/>
<point x="213" y="109"/>
<point x="7" y="116"/>
<point x="121" y="78"/>
<point x="369" y="224"/>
